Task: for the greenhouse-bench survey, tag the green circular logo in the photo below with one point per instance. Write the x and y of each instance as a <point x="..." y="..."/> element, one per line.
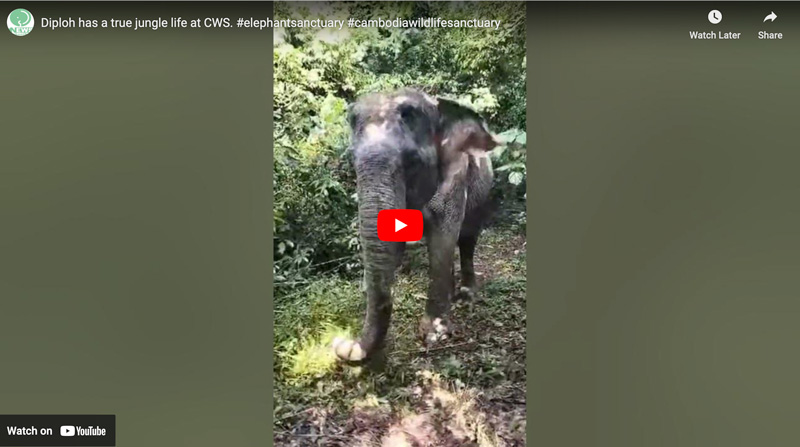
<point x="20" y="22"/>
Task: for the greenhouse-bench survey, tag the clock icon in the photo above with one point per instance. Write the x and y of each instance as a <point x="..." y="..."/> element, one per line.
<point x="714" y="16"/>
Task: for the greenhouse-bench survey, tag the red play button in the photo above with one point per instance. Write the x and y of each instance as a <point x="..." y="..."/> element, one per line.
<point x="400" y="225"/>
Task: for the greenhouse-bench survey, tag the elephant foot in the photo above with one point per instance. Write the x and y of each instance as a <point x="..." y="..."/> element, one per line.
<point x="466" y="294"/>
<point x="348" y="350"/>
<point x="433" y="331"/>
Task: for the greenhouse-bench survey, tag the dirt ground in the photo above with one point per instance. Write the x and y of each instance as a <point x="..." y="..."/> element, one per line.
<point x="467" y="391"/>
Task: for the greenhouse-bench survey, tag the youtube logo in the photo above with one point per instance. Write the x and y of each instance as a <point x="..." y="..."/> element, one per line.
<point x="400" y="225"/>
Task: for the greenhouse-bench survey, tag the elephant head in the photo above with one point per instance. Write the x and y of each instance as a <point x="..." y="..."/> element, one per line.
<point x="406" y="146"/>
<point x="20" y="17"/>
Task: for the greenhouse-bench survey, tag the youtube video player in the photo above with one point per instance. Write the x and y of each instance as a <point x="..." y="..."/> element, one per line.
<point x="308" y="223"/>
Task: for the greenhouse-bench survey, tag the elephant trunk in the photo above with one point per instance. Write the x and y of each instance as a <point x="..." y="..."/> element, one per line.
<point x="380" y="187"/>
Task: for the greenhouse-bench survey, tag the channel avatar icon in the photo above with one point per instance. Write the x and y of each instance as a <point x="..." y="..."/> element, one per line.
<point x="20" y="22"/>
<point x="400" y="225"/>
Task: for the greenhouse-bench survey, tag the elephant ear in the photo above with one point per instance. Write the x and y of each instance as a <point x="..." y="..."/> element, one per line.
<point x="463" y="129"/>
<point x="351" y="115"/>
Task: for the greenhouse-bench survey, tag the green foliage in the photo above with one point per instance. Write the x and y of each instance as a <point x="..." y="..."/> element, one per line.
<point x="309" y="320"/>
<point x="509" y="160"/>
<point x="318" y="72"/>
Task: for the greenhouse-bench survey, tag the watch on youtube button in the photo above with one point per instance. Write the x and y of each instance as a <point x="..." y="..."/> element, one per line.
<point x="400" y="225"/>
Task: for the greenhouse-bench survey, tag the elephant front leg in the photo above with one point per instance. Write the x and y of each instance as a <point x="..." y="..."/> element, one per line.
<point x="441" y="250"/>
<point x="445" y="214"/>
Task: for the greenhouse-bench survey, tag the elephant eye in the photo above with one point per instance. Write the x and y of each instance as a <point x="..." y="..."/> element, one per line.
<point x="407" y="112"/>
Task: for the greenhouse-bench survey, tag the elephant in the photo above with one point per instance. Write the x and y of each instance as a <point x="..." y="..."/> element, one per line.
<point x="414" y="151"/>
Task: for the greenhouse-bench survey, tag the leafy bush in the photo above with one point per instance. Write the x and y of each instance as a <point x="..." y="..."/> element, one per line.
<point x="319" y="71"/>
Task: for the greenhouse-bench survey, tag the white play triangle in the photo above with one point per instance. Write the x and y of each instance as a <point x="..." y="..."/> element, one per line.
<point x="398" y="225"/>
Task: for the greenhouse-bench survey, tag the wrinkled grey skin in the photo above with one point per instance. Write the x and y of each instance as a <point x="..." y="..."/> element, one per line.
<point x="416" y="152"/>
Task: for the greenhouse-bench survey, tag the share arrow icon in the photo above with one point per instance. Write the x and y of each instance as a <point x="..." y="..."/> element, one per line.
<point x="771" y="17"/>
